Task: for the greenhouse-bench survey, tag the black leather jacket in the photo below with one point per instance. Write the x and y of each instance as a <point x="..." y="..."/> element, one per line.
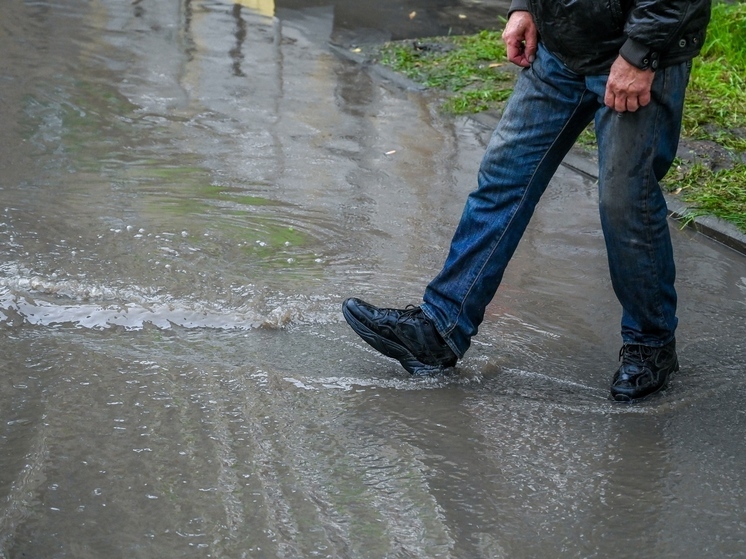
<point x="588" y="35"/>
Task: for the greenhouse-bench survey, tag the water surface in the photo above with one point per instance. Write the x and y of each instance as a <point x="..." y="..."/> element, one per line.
<point x="189" y="191"/>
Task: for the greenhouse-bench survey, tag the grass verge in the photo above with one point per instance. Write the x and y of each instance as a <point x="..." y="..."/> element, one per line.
<point x="721" y="193"/>
<point x="716" y="98"/>
<point x="474" y="74"/>
<point x="472" y="69"/>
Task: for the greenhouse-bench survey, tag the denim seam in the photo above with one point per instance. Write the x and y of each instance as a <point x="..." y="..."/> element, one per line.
<point x="659" y="307"/>
<point x="512" y="217"/>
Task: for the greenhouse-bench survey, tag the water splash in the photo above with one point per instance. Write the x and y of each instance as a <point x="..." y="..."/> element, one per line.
<point x="51" y="302"/>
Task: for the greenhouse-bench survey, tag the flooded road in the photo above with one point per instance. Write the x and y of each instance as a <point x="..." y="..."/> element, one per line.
<point x="189" y="191"/>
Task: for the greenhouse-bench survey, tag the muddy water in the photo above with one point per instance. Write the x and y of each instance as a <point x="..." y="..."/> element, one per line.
<point x="189" y="190"/>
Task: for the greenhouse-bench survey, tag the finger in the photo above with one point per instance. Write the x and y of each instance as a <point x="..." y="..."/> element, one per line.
<point x="520" y="61"/>
<point x="532" y="43"/>
<point x="609" y="99"/>
<point x="517" y="55"/>
<point x="632" y="104"/>
<point x="644" y="98"/>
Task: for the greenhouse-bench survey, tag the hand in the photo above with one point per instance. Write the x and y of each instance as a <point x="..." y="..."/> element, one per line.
<point x="628" y="87"/>
<point x="521" y="38"/>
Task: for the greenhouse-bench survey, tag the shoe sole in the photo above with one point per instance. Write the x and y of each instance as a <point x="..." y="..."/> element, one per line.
<point x="391" y="349"/>
<point x="624" y="399"/>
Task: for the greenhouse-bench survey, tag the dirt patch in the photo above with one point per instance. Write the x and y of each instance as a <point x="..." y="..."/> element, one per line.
<point x="708" y="153"/>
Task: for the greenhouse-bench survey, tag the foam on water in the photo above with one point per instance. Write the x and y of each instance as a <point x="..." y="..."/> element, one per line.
<point x="360" y="384"/>
<point x="26" y="299"/>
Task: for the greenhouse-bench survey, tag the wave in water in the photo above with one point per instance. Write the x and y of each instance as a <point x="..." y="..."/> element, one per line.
<point x="43" y="302"/>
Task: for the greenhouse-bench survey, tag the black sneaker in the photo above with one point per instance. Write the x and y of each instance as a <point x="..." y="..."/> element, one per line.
<point x="405" y="335"/>
<point x="644" y="371"/>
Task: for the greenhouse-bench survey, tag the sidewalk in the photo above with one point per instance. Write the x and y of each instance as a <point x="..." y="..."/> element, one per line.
<point x="577" y="160"/>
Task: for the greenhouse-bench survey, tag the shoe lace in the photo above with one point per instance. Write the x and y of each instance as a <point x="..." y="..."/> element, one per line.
<point x="635" y="354"/>
<point x="411" y="310"/>
<point x="435" y="354"/>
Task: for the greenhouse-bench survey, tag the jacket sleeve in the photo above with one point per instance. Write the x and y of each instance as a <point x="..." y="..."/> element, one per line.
<point x="653" y="26"/>
<point x="518" y="6"/>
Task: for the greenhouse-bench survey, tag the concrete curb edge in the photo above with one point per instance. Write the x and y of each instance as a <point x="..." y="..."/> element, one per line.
<point x="710" y="226"/>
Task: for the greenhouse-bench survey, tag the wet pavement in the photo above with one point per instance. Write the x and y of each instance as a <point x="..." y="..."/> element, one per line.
<point x="190" y="189"/>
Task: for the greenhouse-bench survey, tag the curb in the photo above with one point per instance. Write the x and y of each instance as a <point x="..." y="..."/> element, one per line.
<point x="577" y="160"/>
<point x="721" y="231"/>
<point x="376" y="69"/>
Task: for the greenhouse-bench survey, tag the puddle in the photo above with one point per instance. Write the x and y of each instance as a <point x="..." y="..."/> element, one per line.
<point x="189" y="191"/>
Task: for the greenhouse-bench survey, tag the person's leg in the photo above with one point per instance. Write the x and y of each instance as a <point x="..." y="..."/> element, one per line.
<point x="635" y="152"/>
<point x="549" y="108"/>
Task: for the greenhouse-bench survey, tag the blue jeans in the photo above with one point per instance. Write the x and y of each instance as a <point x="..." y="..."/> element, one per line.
<point x="549" y="108"/>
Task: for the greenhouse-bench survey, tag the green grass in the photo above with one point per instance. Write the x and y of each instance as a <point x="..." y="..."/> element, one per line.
<point x="474" y="74"/>
<point x="715" y="111"/>
<point x="472" y="69"/>
<point x="720" y="193"/>
<point x="716" y="98"/>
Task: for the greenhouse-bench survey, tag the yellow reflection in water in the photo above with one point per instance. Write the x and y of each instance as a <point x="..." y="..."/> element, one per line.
<point x="263" y="7"/>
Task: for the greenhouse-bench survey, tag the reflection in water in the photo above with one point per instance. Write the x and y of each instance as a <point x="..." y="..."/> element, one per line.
<point x="632" y="490"/>
<point x="262" y="7"/>
<point x="188" y="14"/>
<point x="139" y="10"/>
<point x="240" y="35"/>
<point x="188" y="193"/>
